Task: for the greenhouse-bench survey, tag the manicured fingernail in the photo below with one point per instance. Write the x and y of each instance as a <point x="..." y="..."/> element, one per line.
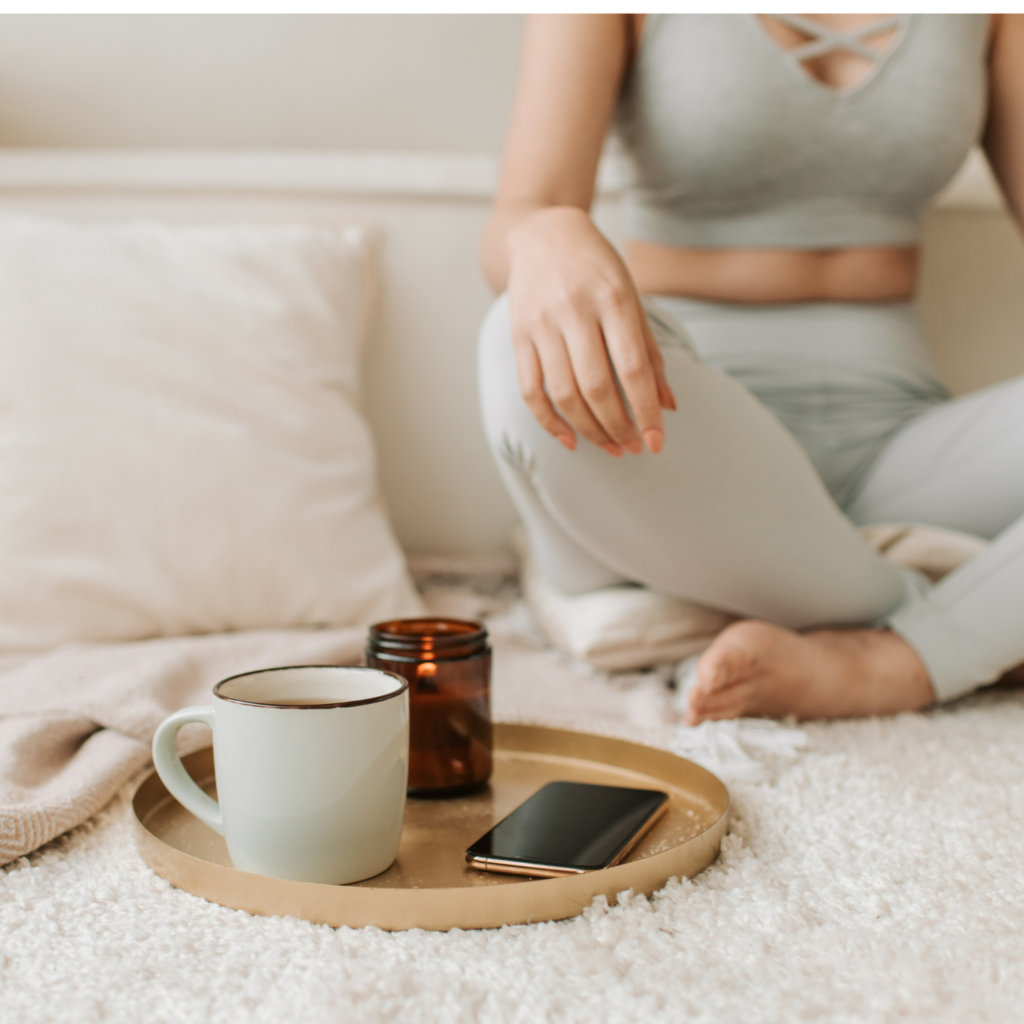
<point x="612" y="449"/>
<point x="569" y="440"/>
<point x="636" y="447"/>
<point x="655" y="439"/>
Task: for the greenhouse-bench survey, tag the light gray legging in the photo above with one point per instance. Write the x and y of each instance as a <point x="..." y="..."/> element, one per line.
<point x="789" y="417"/>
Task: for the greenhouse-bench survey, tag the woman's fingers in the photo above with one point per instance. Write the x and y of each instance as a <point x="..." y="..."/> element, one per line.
<point x="563" y="389"/>
<point x="587" y="360"/>
<point x="665" y="396"/>
<point x="536" y="374"/>
<point x="531" y="386"/>
<point x="624" y="326"/>
<point x="568" y="381"/>
<point x="596" y="387"/>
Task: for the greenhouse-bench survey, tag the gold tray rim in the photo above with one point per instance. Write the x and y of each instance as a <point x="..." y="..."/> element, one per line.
<point x="441" y="909"/>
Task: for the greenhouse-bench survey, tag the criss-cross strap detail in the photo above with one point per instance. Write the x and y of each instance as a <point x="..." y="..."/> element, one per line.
<point x="826" y="40"/>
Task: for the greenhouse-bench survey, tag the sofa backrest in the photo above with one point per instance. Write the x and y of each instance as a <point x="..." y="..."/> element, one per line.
<point x="443" y="492"/>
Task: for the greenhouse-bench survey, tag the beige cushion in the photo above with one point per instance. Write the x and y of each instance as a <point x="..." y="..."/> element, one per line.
<point x="181" y="445"/>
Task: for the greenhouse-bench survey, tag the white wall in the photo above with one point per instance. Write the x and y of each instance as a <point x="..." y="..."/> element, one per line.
<point x="434" y="83"/>
<point x="972" y="296"/>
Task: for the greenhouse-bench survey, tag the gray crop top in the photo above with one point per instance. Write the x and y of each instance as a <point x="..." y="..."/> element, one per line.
<point x="734" y="144"/>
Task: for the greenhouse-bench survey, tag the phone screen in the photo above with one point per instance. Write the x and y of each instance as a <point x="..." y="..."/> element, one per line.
<point x="572" y="826"/>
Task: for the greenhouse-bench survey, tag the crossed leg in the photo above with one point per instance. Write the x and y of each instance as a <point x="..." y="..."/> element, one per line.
<point x="958" y="465"/>
<point x="731" y="514"/>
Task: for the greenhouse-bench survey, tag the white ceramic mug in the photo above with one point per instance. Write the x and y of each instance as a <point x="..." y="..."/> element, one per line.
<point x="312" y="764"/>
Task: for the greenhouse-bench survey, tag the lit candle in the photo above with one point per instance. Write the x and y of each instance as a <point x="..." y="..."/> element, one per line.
<point x="448" y="665"/>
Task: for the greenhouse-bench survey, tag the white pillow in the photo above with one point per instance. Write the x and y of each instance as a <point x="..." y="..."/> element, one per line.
<point x="616" y="628"/>
<point x="181" y="446"/>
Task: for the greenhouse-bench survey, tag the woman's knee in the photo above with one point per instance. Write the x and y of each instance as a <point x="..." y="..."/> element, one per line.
<point x="495" y="339"/>
<point x="507" y="419"/>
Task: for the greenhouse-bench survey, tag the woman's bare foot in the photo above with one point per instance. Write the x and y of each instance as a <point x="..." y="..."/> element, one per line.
<point x="753" y="668"/>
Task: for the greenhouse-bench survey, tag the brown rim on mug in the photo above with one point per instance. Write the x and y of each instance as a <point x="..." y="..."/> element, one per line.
<point x="402" y="687"/>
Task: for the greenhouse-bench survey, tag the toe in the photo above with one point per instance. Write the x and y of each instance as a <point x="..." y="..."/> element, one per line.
<point x="731" y="703"/>
<point x="711" y="674"/>
<point x="732" y="658"/>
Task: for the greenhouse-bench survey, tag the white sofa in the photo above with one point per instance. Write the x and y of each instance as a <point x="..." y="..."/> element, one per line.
<point x="443" y="492"/>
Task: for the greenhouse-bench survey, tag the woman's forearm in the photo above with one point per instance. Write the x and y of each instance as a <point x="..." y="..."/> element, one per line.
<point x="585" y="355"/>
<point x="572" y="66"/>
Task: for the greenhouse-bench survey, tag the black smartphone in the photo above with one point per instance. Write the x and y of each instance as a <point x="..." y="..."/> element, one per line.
<point x="567" y="828"/>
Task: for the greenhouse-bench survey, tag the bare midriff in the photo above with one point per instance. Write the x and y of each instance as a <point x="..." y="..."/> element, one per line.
<point x="774" y="275"/>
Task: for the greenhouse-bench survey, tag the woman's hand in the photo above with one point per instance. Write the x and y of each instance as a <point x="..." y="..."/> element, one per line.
<point x="577" y="327"/>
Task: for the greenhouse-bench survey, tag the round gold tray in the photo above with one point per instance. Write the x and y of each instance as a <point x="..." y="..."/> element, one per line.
<point x="430" y="885"/>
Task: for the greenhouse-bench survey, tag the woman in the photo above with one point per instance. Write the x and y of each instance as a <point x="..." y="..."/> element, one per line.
<point x="712" y="415"/>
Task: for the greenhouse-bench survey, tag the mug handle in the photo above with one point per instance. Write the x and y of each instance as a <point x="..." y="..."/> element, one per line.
<point x="172" y="772"/>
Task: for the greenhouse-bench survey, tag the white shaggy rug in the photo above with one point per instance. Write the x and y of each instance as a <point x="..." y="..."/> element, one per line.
<point x="875" y="877"/>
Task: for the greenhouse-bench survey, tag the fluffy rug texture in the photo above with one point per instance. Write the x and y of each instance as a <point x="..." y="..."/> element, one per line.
<point x="872" y="872"/>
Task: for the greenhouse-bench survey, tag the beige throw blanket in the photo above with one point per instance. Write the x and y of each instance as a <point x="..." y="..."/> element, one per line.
<point x="75" y="724"/>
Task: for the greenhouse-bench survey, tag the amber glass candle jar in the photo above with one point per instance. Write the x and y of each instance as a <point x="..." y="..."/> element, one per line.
<point x="448" y="665"/>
